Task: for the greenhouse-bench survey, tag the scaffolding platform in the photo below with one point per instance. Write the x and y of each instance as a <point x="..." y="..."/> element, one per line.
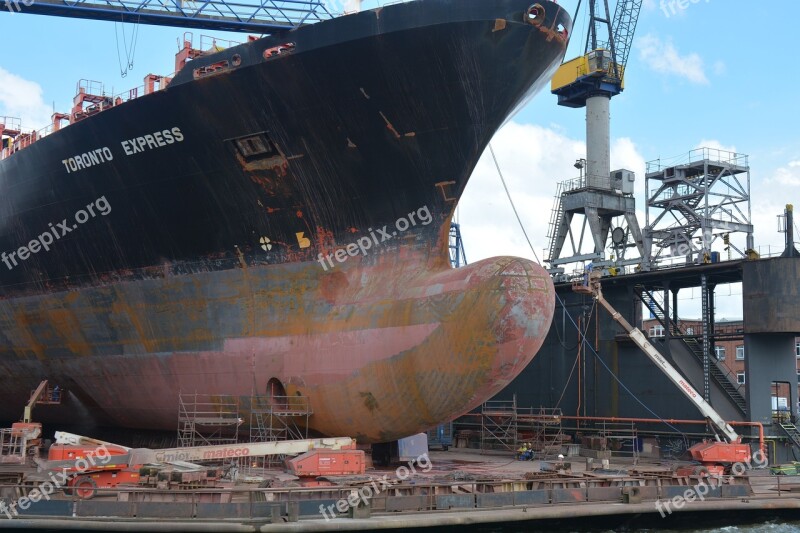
<point x="279" y="418"/>
<point x="205" y="419"/>
<point x="505" y="426"/>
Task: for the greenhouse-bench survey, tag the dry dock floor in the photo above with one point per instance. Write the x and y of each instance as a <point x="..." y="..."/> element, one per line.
<point x="458" y="488"/>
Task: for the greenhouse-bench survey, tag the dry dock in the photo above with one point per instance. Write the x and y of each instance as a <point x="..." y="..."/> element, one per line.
<point x="457" y="488"/>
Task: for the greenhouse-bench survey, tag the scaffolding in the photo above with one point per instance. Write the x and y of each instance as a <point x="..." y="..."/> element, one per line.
<point x="505" y="426"/>
<point x="499" y="425"/>
<point x="276" y="418"/>
<point x="13" y="449"/>
<point x="542" y="426"/>
<point x="206" y="420"/>
<point x="279" y="418"/>
<point x="700" y="199"/>
<point x="622" y="438"/>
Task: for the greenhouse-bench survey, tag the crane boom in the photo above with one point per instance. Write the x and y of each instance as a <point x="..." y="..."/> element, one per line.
<point x="232" y="451"/>
<point x="626" y="15"/>
<point x="249" y="16"/>
<point x="593" y="287"/>
<point x="38" y="393"/>
<point x="212" y="452"/>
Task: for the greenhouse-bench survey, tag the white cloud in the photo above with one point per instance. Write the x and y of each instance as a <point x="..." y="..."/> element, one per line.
<point x="775" y="191"/>
<point x="787" y="176"/>
<point x="649" y="5"/>
<point x="22" y="99"/>
<point x="533" y="160"/>
<point x="625" y="155"/>
<point x="663" y="57"/>
<point x="715" y="145"/>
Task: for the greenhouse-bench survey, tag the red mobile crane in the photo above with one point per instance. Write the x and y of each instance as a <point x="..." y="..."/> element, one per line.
<point x="717" y="456"/>
<point x="94" y="464"/>
<point x="23" y="439"/>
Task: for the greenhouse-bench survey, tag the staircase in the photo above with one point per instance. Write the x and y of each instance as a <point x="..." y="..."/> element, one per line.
<point x="717" y="374"/>
<point x="792" y="432"/>
<point x="556" y="215"/>
<point x="696" y="348"/>
<point x="653" y="305"/>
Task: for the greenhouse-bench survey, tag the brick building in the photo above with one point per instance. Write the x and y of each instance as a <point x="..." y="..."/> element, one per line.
<point x="729" y="348"/>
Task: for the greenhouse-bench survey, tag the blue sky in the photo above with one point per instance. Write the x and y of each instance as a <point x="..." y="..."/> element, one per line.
<point x="702" y="72"/>
<point x="719" y="69"/>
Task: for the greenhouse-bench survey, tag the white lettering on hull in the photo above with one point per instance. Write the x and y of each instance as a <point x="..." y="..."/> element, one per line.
<point x="150" y="141"/>
<point x="88" y="159"/>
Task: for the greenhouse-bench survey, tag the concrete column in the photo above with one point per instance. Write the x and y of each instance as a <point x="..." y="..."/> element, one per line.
<point x="598" y="143"/>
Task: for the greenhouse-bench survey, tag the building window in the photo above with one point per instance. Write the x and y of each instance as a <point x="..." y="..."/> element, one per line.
<point x="740" y="378"/>
<point x="690" y="331"/>
<point x="797" y="349"/>
<point x="657" y="331"/>
<point x="739" y="353"/>
<point x="719" y="351"/>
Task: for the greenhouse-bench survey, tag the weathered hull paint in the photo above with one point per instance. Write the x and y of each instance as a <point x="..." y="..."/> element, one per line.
<point x="426" y="348"/>
<point x="204" y="276"/>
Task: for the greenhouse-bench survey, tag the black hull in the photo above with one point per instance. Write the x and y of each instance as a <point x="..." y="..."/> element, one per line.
<point x="366" y="127"/>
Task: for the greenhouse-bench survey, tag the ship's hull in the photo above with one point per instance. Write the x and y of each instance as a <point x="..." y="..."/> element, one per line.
<point x="380" y="351"/>
<point x="210" y="264"/>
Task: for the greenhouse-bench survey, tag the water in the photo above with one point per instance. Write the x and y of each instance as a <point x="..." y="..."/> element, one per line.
<point x="785" y="521"/>
<point x="771" y="526"/>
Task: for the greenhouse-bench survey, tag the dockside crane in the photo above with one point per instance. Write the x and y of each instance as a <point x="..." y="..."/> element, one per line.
<point x="590" y="81"/>
<point x="600" y="71"/>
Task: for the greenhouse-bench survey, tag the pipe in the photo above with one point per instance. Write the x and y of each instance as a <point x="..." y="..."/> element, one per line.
<point x="759" y="425"/>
